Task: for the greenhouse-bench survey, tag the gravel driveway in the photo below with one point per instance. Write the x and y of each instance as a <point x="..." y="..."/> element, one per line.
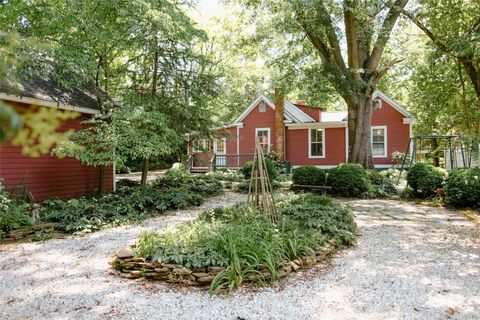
<point x="411" y="262"/>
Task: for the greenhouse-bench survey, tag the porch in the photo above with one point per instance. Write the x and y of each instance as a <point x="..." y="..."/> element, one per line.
<point x="199" y="163"/>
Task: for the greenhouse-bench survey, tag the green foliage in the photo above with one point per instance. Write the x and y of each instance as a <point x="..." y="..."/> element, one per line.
<point x="246" y="242"/>
<point x="309" y="175"/>
<point x="425" y="179"/>
<point x="462" y="188"/>
<point x="13" y="214"/>
<point x="228" y="175"/>
<point x="272" y="171"/>
<point x="349" y="180"/>
<point x="129" y="204"/>
<point x="382" y="185"/>
<point x="320" y="213"/>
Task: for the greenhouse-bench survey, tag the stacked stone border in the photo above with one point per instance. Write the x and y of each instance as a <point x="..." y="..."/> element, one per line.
<point x="126" y="265"/>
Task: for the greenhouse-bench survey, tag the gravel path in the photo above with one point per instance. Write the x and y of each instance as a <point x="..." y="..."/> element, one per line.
<point x="411" y="262"/>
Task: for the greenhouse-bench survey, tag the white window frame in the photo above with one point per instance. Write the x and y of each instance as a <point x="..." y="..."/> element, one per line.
<point x="310" y="144"/>
<point x="380" y="104"/>
<point x="215" y="145"/>
<point x="203" y="143"/>
<point x="385" y="150"/>
<point x="262" y="107"/>
<point x="269" y="136"/>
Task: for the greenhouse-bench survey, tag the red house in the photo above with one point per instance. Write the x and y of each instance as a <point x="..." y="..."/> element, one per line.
<point x="43" y="174"/>
<point x="306" y="136"/>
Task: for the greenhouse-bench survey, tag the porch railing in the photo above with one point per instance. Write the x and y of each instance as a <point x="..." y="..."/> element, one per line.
<point x="230" y="160"/>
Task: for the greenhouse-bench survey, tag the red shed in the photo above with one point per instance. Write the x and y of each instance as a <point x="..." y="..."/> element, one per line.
<point x="311" y="135"/>
<point x="43" y="174"/>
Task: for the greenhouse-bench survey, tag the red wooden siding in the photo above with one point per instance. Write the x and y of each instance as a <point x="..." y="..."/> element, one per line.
<point x="297" y="147"/>
<point x="398" y="133"/>
<point x="312" y="112"/>
<point x="48" y="176"/>
<point x="256" y="119"/>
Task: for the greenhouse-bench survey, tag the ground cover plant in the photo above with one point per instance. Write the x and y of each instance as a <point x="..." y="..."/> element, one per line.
<point x="383" y="185"/>
<point x="246" y="243"/>
<point x="130" y="203"/>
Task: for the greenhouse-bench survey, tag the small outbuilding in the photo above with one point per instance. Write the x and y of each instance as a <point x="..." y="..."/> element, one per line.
<point x="51" y="112"/>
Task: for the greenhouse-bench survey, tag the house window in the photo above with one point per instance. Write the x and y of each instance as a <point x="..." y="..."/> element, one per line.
<point x="316" y="143"/>
<point x="200" y="145"/>
<point x="377" y="104"/>
<point x="379" y="142"/>
<point x="262" y="107"/>
<point x="263" y="136"/>
<point x="219" y="146"/>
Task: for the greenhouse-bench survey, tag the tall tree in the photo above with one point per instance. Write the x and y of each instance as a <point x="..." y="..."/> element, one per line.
<point x="453" y="26"/>
<point x="365" y="27"/>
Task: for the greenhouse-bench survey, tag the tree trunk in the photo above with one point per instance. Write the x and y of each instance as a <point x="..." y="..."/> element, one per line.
<point x="143" y="182"/>
<point x="360" y="133"/>
<point x="101" y="180"/>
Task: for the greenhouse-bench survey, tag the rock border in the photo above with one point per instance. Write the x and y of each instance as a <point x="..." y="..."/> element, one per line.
<point x="127" y="266"/>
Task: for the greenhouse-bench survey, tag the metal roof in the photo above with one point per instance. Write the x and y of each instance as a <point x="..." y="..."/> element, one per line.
<point x="297" y="114"/>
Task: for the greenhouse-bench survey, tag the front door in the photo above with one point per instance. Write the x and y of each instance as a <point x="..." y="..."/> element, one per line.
<point x="220" y="150"/>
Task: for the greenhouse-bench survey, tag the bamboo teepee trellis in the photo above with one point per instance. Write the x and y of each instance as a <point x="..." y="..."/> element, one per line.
<point x="260" y="195"/>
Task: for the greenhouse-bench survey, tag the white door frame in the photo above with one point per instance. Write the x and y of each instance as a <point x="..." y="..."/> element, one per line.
<point x="220" y="161"/>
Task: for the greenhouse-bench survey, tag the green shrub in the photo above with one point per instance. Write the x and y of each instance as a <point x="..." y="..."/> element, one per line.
<point x="228" y="175"/>
<point x="382" y="185"/>
<point x="248" y="166"/>
<point x="425" y="179"/>
<point x="462" y="188"/>
<point x="349" y="180"/>
<point x="309" y="175"/>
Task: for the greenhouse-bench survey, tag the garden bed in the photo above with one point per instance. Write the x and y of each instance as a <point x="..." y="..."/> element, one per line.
<point x="227" y="247"/>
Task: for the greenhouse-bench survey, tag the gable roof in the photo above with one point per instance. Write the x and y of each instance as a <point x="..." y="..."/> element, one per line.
<point x="391" y="102"/>
<point x="46" y="91"/>
<point x="292" y="113"/>
<point x="296" y="115"/>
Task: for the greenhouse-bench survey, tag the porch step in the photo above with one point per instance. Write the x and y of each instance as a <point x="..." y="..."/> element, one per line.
<point x="199" y="170"/>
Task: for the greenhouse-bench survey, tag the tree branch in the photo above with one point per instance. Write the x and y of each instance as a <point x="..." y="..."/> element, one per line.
<point x="384" y="34"/>
<point x="424" y="28"/>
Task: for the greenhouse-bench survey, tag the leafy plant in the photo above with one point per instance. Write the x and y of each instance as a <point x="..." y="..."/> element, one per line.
<point x="382" y="185"/>
<point x="248" y="166"/>
<point x="13" y="213"/>
<point x="425" y="179"/>
<point x="350" y="180"/>
<point x="462" y="188"/>
<point x="309" y="175"/>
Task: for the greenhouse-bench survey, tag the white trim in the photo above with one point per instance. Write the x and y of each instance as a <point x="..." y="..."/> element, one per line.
<point x="238" y="145"/>
<point x="46" y="103"/>
<point x="215" y="151"/>
<point x="408" y="120"/>
<point x="289" y="117"/>
<point x="330" y="166"/>
<point x="385" y="149"/>
<point x="346" y="144"/>
<point x="227" y="126"/>
<point x="269" y="136"/>
<point x="383" y="166"/>
<point x="316" y="125"/>
<point x="310" y="144"/>
<point x="391" y="102"/>
<point x="323" y="166"/>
